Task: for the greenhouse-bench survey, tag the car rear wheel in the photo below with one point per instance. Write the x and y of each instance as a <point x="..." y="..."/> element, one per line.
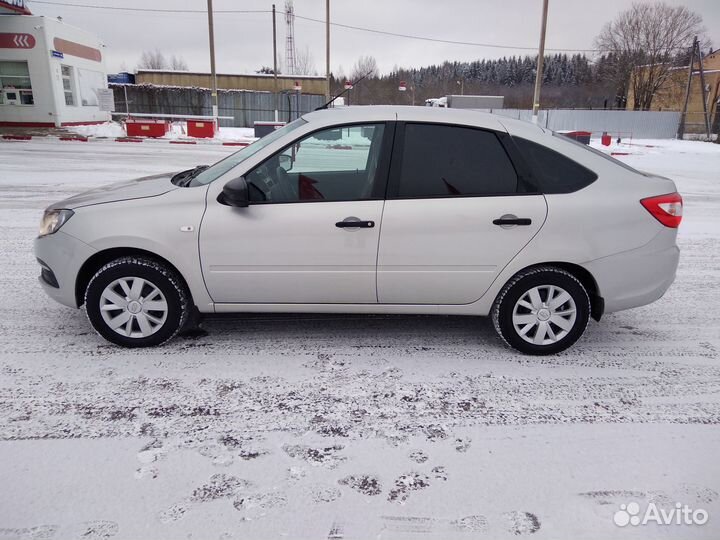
<point x="136" y="302"/>
<point x="542" y="310"/>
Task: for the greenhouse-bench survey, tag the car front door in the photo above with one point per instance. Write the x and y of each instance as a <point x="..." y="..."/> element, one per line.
<point x="310" y="233"/>
<point x="457" y="213"/>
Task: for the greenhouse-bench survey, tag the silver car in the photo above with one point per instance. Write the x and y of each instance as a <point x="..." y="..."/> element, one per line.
<point x="406" y="210"/>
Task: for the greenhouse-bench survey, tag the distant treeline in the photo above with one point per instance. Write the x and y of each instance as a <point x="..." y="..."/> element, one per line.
<point x="568" y="81"/>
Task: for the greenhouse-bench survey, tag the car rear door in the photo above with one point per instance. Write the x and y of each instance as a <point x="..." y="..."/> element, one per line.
<point x="456" y="213"/>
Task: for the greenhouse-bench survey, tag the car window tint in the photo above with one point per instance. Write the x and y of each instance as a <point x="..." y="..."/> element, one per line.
<point x="452" y="161"/>
<point x="552" y="171"/>
<point x="597" y="152"/>
<point x="336" y="164"/>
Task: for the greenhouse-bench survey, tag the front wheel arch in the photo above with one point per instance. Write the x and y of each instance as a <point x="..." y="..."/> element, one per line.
<point x="101" y="258"/>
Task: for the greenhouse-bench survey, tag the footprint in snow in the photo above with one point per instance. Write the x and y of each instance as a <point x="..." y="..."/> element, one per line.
<point x="522" y="522"/>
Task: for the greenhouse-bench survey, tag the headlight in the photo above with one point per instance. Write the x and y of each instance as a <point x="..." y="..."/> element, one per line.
<point x="52" y="220"/>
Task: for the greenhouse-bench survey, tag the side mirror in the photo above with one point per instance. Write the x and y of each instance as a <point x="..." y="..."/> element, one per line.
<point x="235" y="193"/>
<point x="285" y="162"/>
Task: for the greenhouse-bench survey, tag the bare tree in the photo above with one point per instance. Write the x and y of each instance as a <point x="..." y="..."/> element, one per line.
<point x="178" y="63"/>
<point x="153" y="60"/>
<point x="366" y="66"/>
<point x="645" y="43"/>
<point x="304" y="62"/>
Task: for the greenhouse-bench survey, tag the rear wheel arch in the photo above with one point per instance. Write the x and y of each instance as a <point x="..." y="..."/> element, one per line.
<point x="597" y="304"/>
<point x="101" y="258"/>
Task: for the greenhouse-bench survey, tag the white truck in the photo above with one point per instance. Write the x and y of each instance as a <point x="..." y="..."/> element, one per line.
<point x="467" y="102"/>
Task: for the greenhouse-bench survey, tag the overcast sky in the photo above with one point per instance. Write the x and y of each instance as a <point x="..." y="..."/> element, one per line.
<point x="244" y="41"/>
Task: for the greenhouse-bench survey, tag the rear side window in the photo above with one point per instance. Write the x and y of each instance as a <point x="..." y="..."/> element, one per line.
<point x="553" y="172"/>
<point x="452" y="161"/>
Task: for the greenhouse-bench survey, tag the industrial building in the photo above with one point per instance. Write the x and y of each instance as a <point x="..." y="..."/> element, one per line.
<point x="671" y="94"/>
<point x="311" y="84"/>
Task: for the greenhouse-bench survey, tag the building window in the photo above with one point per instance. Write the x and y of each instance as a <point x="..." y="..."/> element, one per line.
<point x="67" y="79"/>
<point x="15" y="87"/>
<point x="90" y="82"/>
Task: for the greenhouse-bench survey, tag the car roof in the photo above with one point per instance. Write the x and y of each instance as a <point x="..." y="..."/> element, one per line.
<point x="406" y="113"/>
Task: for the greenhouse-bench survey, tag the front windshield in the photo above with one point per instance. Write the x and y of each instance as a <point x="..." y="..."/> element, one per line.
<point x="221" y="167"/>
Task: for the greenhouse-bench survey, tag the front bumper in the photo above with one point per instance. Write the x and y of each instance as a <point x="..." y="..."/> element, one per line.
<point x="637" y="277"/>
<point x="61" y="256"/>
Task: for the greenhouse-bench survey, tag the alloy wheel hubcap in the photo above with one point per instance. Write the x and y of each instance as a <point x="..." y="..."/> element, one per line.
<point x="544" y="315"/>
<point x="133" y="307"/>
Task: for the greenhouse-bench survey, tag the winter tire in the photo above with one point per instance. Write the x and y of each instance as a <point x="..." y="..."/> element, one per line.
<point x="542" y="310"/>
<point x="136" y="302"/>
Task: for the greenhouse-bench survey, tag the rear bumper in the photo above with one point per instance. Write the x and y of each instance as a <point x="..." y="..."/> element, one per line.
<point x="637" y="277"/>
<point x="61" y="256"/>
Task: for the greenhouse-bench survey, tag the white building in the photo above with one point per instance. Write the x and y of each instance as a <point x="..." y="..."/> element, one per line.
<point x="49" y="72"/>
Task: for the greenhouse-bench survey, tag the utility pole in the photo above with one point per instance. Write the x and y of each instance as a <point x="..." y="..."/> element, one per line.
<point x="540" y="62"/>
<point x="327" y="50"/>
<point x="275" y="80"/>
<point x="213" y="75"/>
<point x="702" y="87"/>
<point x="683" y="114"/>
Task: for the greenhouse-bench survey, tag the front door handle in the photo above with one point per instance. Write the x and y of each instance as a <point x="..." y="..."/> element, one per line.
<point x="510" y="220"/>
<point x="355" y="223"/>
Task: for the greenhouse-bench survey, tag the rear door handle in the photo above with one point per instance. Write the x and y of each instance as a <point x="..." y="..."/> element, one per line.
<point x="354" y="223"/>
<point x="511" y="220"/>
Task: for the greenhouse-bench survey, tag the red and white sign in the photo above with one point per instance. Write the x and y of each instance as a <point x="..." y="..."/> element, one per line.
<point x="348" y="85"/>
<point x="402" y="86"/>
<point x="297" y="86"/>
<point x="16" y="41"/>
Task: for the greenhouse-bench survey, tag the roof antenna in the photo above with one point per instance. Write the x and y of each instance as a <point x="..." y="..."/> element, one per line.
<point x="326" y="105"/>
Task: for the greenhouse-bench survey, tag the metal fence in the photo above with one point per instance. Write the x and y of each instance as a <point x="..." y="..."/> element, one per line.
<point x="638" y="124"/>
<point x="245" y="106"/>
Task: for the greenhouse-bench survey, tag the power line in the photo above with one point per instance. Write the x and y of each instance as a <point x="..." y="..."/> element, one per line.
<point x="150" y="10"/>
<point x="339" y="25"/>
<point x="439" y="40"/>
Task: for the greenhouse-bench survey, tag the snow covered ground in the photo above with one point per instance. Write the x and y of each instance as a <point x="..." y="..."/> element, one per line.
<point x="347" y="426"/>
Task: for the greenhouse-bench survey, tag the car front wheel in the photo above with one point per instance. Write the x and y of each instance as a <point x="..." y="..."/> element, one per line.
<point x="542" y="310"/>
<point x="136" y="302"/>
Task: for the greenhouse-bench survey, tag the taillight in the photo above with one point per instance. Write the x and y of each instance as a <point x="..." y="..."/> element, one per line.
<point x="667" y="209"/>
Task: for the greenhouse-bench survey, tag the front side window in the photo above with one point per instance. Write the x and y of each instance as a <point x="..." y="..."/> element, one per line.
<point x="221" y="167"/>
<point x="336" y="164"/>
<point x="15" y="87"/>
<point x="453" y="161"/>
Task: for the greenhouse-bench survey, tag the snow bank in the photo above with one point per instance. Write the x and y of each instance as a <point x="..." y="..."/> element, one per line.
<point x="178" y="130"/>
<point x="105" y="130"/>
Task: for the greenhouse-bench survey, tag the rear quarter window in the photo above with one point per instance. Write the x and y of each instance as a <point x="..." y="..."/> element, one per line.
<point x="551" y="171"/>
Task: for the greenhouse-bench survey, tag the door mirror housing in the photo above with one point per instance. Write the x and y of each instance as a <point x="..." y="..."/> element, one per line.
<point x="235" y="193"/>
<point x="285" y="162"/>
